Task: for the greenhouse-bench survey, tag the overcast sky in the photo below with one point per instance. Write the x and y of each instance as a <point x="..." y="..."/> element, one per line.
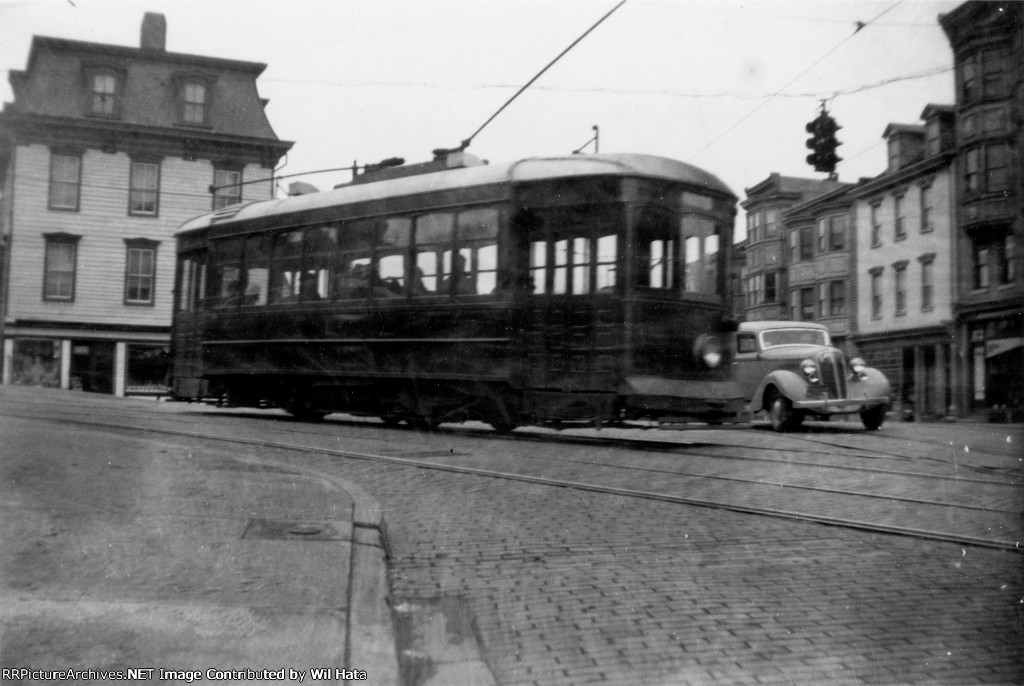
<point x="727" y="86"/>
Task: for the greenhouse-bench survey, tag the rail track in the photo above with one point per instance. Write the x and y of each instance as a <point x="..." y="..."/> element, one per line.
<point x="823" y="486"/>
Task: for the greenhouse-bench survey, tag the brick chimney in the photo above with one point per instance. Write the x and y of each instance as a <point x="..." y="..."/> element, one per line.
<point x="154" y="32"/>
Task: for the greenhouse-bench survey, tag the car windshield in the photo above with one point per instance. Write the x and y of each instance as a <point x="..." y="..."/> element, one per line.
<point x="776" y="337"/>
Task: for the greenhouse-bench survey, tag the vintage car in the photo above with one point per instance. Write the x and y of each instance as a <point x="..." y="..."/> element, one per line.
<point x="791" y="371"/>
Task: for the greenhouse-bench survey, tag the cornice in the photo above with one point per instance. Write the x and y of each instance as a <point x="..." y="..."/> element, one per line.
<point x="112" y="135"/>
<point x="906" y="175"/>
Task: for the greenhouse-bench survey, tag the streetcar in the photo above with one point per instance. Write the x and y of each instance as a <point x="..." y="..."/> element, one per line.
<point x="546" y="291"/>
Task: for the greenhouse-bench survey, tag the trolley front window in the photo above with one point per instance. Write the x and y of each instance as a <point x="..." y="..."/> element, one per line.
<point x="700" y="254"/>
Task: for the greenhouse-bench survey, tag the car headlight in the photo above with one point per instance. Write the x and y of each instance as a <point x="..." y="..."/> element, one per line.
<point x="857" y="366"/>
<point x="709" y="351"/>
<point x="810" y="370"/>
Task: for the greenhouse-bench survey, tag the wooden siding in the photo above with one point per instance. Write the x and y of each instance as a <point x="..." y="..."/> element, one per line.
<point x="103" y="223"/>
<point x="913" y="246"/>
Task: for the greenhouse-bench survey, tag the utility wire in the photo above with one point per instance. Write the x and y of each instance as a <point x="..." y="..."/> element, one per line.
<point x="622" y="91"/>
<point x="860" y="25"/>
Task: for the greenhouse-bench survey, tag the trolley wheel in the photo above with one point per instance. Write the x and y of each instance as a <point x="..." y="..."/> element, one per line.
<point x="305" y="411"/>
<point x="782" y="415"/>
<point x="873" y="417"/>
<point x="500" y="418"/>
<point x="421" y="423"/>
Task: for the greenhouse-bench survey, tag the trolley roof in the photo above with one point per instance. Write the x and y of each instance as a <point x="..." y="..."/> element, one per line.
<point x="530" y="169"/>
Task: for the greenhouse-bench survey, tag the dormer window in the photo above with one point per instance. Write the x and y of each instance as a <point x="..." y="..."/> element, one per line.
<point x="103" y="83"/>
<point x="193" y="91"/>
<point x="195" y="102"/>
<point x="104" y="94"/>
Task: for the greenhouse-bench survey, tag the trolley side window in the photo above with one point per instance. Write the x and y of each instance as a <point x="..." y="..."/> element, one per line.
<point x="285" y="267"/>
<point x="574" y="250"/>
<point x="318" y="254"/>
<point x="224" y="288"/>
<point x="257" y="271"/>
<point x="191" y="282"/>
<point x="477" y="252"/>
<point x="354" y="261"/>
<point x="389" y="256"/>
<point x="432" y="253"/>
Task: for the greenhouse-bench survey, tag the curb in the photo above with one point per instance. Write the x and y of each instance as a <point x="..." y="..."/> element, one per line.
<point x="371" y="636"/>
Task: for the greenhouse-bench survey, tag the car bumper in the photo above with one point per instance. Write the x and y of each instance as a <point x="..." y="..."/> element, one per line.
<point x="841" y="405"/>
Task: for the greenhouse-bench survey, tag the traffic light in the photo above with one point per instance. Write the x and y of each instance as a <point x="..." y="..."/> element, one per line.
<point x="823" y="143"/>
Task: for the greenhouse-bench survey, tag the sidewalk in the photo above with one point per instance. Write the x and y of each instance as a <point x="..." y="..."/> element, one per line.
<point x="121" y="553"/>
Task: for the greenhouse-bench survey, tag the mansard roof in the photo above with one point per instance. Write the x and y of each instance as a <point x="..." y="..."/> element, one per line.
<point x="54" y="83"/>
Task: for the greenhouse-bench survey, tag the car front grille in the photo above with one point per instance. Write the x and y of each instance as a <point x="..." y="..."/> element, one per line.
<point x="833" y="373"/>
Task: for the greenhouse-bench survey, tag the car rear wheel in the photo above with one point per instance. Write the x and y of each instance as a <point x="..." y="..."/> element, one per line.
<point x="873" y="417"/>
<point x="782" y="415"/>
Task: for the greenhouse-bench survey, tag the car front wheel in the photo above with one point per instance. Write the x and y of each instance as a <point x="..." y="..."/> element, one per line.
<point x="873" y="417"/>
<point x="782" y="415"/>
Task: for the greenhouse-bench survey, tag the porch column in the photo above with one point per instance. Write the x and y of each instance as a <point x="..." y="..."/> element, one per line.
<point x="8" y="360"/>
<point x="940" y="379"/>
<point x="65" y="364"/>
<point x="920" y="383"/>
<point x="120" y="366"/>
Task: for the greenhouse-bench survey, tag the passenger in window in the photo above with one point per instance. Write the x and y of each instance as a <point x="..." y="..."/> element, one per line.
<point x="459" y="282"/>
<point x="232" y="293"/>
<point x="418" y="286"/>
<point x="310" y="287"/>
<point x="252" y="294"/>
<point x="355" y="283"/>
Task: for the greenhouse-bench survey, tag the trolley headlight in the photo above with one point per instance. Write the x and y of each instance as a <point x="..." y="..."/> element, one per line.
<point x="857" y="366"/>
<point x="810" y="370"/>
<point x="709" y="350"/>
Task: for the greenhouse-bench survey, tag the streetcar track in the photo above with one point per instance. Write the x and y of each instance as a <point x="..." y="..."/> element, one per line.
<point x="671" y="448"/>
<point x="964" y="539"/>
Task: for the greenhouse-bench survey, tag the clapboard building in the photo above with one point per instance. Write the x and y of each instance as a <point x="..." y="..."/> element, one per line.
<point x="104" y="152"/>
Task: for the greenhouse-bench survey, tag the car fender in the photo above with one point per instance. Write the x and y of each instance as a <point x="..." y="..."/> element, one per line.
<point x="871" y="384"/>
<point x="790" y="384"/>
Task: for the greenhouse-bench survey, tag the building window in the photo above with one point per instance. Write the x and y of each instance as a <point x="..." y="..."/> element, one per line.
<point x="837" y="233"/>
<point x="876" y="293"/>
<point x="982" y="254"/>
<point x="983" y="75"/>
<point x="900" y="272"/>
<point x="927" y="281"/>
<point x="927" y="202"/>
<point x="986" y="169"/>
<point x="104" y="94"/>
<point x="59" y="267"/>
<point x="837" y="298"/>
<point x="144" y="191"/>
<point x="226" y="188"/>
<point x="876" y="226"/>
<point x="195" y="102"/>
<point x="1010" y="258"/>
<point x="900" y="225"/>
<point x="801" y="243"/>
<point x="803" y="305"/>
<point x="65" y="181"/>
<point x="770" y="288"/>
<point x="140" y="271"/>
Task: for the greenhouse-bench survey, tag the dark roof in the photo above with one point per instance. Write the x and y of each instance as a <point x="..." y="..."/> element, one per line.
<point x="793" y="188"/>
<point x="52" y="85"/>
